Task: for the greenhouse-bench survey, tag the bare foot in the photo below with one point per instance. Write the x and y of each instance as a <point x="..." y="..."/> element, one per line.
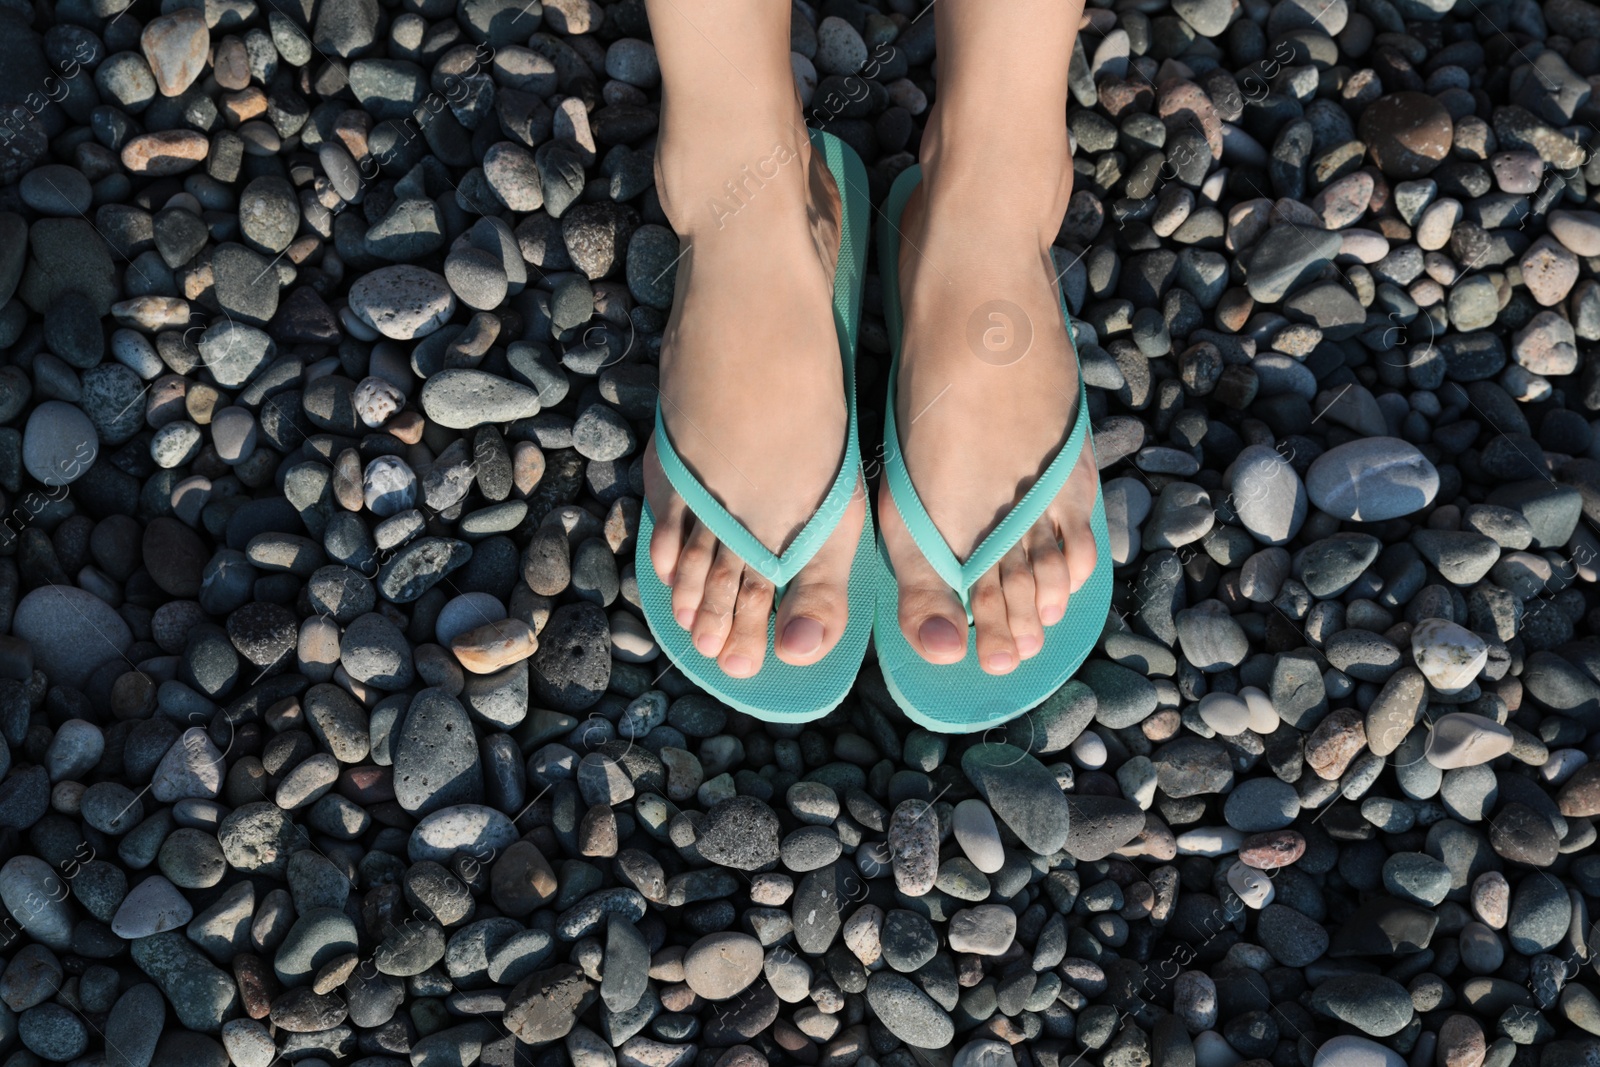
<point x="987" y="395"/>
<point x="752" y="389"/>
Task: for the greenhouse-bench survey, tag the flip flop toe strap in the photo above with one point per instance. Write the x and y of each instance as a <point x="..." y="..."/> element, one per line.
<point x="959" y="576"/>
<point x="779" y="569"/>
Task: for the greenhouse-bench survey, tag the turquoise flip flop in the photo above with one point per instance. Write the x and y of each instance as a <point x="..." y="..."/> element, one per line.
<point x="960" y="697"/>
<point x="780" y="692"/>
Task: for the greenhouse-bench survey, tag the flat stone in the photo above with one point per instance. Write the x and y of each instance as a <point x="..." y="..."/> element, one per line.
<point x="1461" y="739"/>
<point x="1372" y="479"/>
<point x="1021" y="792"/>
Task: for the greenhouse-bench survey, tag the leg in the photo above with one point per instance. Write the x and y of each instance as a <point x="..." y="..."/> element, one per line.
<point x="985" y="347"/>
<point x="751" y="323"/>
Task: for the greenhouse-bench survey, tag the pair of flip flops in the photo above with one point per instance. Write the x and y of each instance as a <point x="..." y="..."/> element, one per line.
<point x="957" y="697"/>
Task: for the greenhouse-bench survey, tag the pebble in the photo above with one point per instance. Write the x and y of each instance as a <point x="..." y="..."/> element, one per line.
<point x="1021" y="793"/>
<point x="1461" y="739"/>
<point x="1372" y="479"/>
<point x="976" y="833"/>
<point x="402" y="302"/>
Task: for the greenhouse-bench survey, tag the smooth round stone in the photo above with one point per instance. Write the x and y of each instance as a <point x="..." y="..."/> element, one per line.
<point x="1293" y="939"/>
<point x="1450" y="655"/>
<point x="74" y="750"/>
<point x="55" y="189"/>
<point x="1482" y="951"/>
<point x="1267" y="495"/>
<point x="907" y="1012"/>
<point x="463" y="398"/>
<point x="722" y="965"/>
<point x="1461" y="739"/>
<point x="1349" y="1050"/>
<point x="1263" y="716"/>
<point x="1021" y="792"/>
<point x="1541" y="912"/>
<point x="402" y="302"/>
<point x="1211" y="1049"/>
<point x="53" y="1033"/>
<point x="1089" y="750"/>
<point x="436" y="762"/>
<point x="975" y="831"/>
<point x="1417" y="877"/>
<point x="59" y="443"/>
<point x="1372" y="479"/>
<point x="1260" y="804"/>
<point x="73" y="632"/>
<point x="1373" y="1004"/>
<point x="153" y="906"/>
<point x="32" y="893"/>
<point x="987" y="930"/>
<point x="233" y="434"/>
<point x="316" y="937"/>
<point x="471" y="828"/>
<point x="1226" y="713"/>
<point x="466" y="612"/>
<point x="191" y="769"/>
<point x="1209" y="841"/>
<point x="176" y="46"/>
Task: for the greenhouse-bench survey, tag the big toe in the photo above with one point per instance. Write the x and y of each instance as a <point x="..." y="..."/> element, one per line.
<point x="816" y="607"/>
<point x="930" y="616"/>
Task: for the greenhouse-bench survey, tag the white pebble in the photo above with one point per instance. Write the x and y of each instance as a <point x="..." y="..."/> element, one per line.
<point x="1089" y="751"/>
<point x="975" y="831"/>
<point x="1209" y="841"/>
<point x="1253" y="886"/>
<point x="1226" y="713"/>
<point x="1263" y="716"/>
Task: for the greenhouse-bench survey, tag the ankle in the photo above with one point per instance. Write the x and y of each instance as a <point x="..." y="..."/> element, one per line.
<point x="1020" y="165"/>
<point x="710" y="170"/>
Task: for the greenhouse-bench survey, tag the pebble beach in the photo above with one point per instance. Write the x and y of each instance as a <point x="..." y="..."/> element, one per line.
<point x="331" y="732"/>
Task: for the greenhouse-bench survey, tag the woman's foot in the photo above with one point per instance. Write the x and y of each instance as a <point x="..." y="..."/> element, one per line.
<point x="752" y="388"/>
<point x="987" y="394"/>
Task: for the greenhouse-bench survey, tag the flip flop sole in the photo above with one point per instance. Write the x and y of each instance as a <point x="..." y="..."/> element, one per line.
<point x="960" y="697"/>
<point x="778" y="692"/>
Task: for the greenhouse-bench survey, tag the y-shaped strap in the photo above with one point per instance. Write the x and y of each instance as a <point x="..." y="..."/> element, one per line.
<point x="957" y="575"/>
<point x="777" y="569"/>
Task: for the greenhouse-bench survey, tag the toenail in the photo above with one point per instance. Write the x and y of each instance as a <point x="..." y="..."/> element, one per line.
<point x="738" y="666"/>
<point x="1052" y="614"/>
<point x="1000" y="661"/>
<point x="940" y="636"/>
<point x="1028" y="644"/>
<point x="707" y="644"/>
<point x="685" y="618"/>
<point x="802" y="636"/>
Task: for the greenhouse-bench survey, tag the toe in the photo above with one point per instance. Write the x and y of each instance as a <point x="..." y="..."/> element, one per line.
<point x="1076" y="536"/>
<point x="1022" y="613"/>
<point x="816" y="606"/>
<point x="694" y="564"/>
<point x="1081" y="552"/>
<point x="667" y="539"/>
<point x="1052" y="581"/>
<point x="670" y="516"/>
<point x="997" y="651"/>
<point x="931" y="616"/>
<point x="714" y="619"/>
<point x="747" y="642"/>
